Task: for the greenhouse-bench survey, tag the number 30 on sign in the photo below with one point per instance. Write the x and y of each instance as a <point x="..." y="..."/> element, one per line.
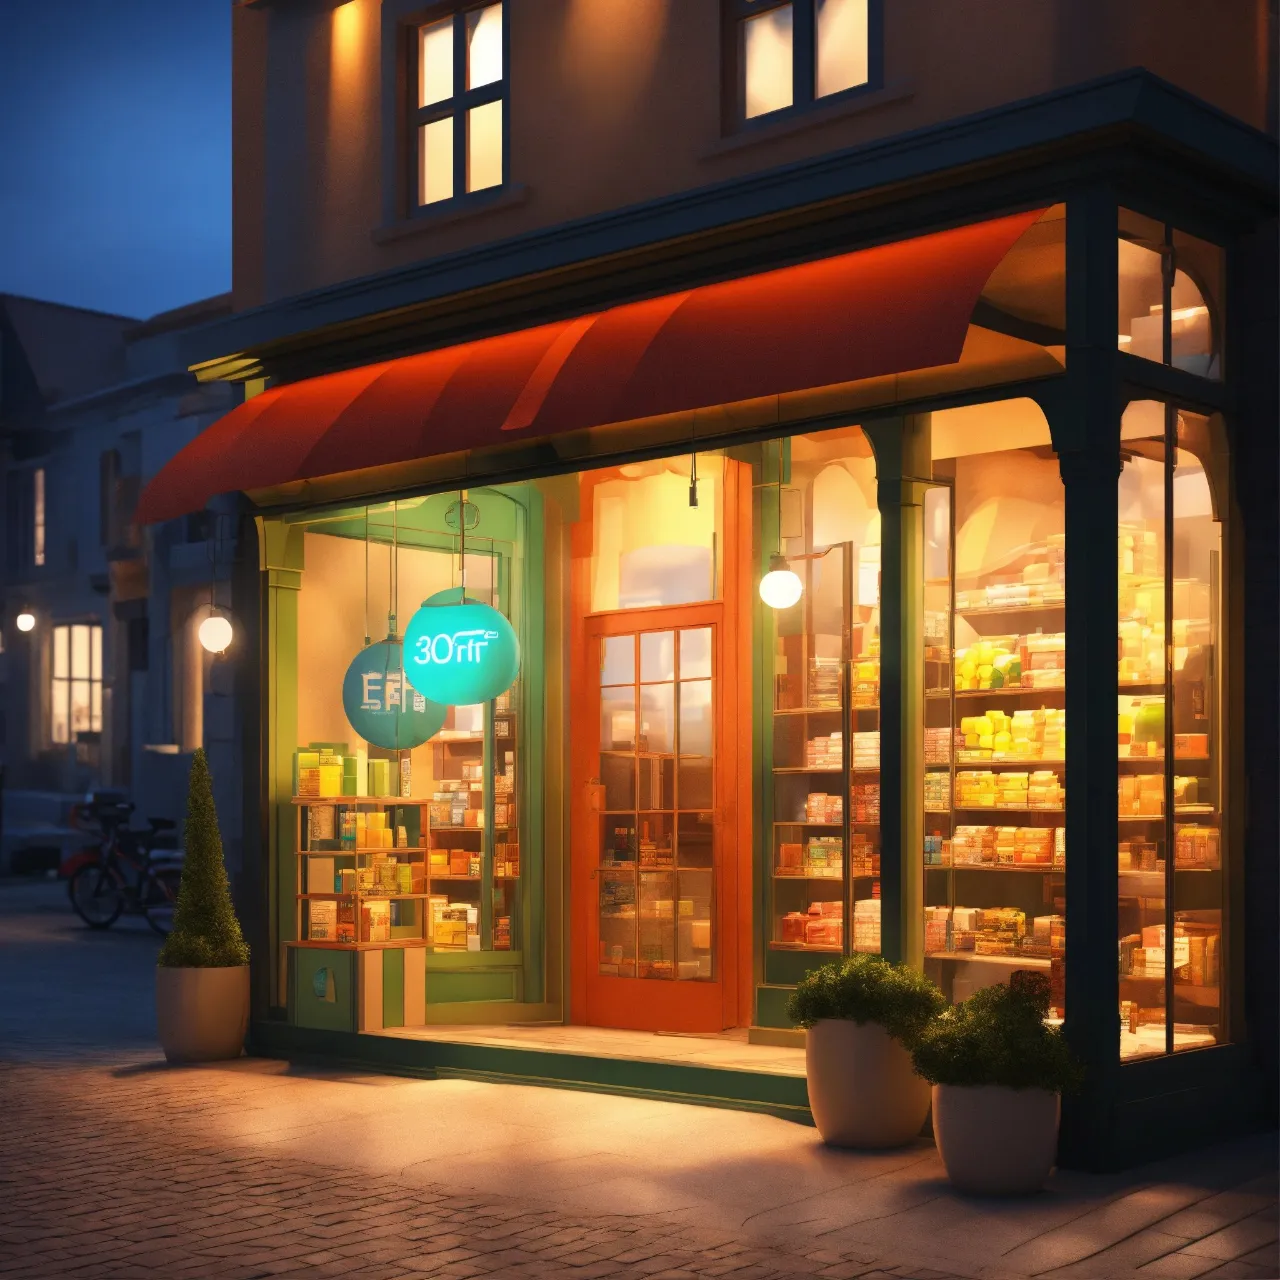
<point x="460" y="654"/>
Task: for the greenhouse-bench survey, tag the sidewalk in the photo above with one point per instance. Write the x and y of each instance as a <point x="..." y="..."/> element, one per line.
<point x="113" y="1164"/>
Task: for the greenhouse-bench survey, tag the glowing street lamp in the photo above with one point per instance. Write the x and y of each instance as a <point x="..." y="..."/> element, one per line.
<point x="26" y="620"/>
<point x="781" y="587"/>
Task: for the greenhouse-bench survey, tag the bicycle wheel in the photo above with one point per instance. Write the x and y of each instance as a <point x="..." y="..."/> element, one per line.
<point x="162" y="897"/>
<point x="97" y="895"/>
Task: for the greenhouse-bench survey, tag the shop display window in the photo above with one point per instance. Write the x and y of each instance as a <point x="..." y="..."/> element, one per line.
<point x="418" y="846"/>
<point x="1170" y="755"/>
<point x="818" y="505"/>
<point x="995" y="686"/>
<point x="1170" y="296"/>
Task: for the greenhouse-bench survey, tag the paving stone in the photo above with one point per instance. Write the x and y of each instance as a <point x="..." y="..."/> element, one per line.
<point x="1238" y="1239"/>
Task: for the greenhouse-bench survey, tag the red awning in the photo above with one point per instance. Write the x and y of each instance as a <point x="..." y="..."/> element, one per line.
<point x="879" y="311"/>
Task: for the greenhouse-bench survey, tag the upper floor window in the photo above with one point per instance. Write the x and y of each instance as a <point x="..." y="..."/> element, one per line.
<point x="37" y="519"/>
<point x="24" y="510"/>
<point x="460" y="103"/>
<point x="796" y="53"/>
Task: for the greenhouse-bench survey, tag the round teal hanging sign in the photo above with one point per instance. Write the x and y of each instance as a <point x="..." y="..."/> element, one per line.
<point x="461" y="652"/>
<point x="380" y="704"/>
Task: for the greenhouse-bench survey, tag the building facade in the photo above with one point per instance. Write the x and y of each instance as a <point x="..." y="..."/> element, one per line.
<point x="806" y="386"/>
<point x="109" y="686"/>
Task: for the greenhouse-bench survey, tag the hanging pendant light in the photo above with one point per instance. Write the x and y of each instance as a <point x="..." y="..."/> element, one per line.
<point x="215" y="633"/>
<point x="781" y="587"/>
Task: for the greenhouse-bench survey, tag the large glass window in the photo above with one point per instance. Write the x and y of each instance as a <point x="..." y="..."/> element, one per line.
<point x="460" y="126"/>
<point x="1170" y="752"/>
<point x="1170" y="296"/>
<point x="817" y="500"/>
<point x="76" y="686"/>
<point x="800" y="52"/>
<point x="995" y="687"/>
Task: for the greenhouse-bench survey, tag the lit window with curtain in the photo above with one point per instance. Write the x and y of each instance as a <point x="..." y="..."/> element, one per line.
<point x="800" y="52"/>
<point x="76" y="684"/>
<point x="460" y="104"/>
<point x="37" y="524"/>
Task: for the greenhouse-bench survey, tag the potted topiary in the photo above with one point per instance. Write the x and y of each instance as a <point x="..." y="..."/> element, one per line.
<point x="202" y="979"/>
<point x="998" y="1072"/>
<point x="861" y="1017"/>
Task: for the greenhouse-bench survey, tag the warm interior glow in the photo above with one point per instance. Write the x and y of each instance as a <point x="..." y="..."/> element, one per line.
<point x="484" y="146"/>
<point x="26" y="621"/>
<point x="215" y="633"/>
<point x="781" y="588"/>
<point x="842" y="45"/>
<point x="767" y="61"/>
<point x="435" y="165"/>
<point x="484" y="46"/>
<point x="435" y="62"/>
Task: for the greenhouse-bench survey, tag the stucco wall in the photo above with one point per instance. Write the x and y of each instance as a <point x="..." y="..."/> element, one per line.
<point x="614" y="102"/>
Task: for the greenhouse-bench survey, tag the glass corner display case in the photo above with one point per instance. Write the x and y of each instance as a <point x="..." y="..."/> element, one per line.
<point x="1169" y="744"/>
<point x="824" y="837"/>
<point x="995" y="734"/>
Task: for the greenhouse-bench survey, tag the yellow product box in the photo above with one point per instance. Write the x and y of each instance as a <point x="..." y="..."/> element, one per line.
<point x="330" y="779"/>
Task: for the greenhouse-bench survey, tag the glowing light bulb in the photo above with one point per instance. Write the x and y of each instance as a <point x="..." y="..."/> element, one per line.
<point x="26" y="621"/>
<point x="215" y="633"/>
<point x="781" y="587"/>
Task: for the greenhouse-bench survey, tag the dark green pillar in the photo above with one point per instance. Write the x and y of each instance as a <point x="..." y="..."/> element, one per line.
<point x="1085" y="422"/>
<point x="903" y="469"/>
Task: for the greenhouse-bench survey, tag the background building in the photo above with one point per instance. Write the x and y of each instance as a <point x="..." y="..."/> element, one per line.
<point x="110" y="686"/>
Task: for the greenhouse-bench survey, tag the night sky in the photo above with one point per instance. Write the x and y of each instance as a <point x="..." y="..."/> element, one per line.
<point x="115" y="151"/>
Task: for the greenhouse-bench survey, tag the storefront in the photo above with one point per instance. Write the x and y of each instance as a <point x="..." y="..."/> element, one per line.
<point x="796" y="564"/>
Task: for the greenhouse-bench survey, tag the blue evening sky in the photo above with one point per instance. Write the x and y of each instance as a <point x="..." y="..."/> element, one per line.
<point x="115" y="151"/>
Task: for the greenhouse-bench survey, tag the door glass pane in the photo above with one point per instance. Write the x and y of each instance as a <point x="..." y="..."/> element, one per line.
<point x="618" y="776"/>
<point x="618" y="719"/>
<point x="657" y="716"/>
<point x="60" y="726"/>
<point x="842" y="45"/>
<point x="618" y="840"/>
<point x="656" y="956"/>
<point x="618" y="923"/>
<point x="484" y="146"/>
<point x="657" y="656"/>
<point x="767" y="61"/>
<point x="694" y="780"/>
<point x="694" y="839"/>
<point x="656" y="840"/>
<point x="95" y="653"/>
<point x="1141" y="732"/>
<point x="435" y="62"/>
<point x="95" y="706"/>
<point x="1198" y="763"/>
<point x="657" y="782"/>
<point x="81" y="712"/>
<point x="694" y="911"/>
<point x="695" y="653"/>
<point x="61" y="653"/>
<point x="618" y="660"/>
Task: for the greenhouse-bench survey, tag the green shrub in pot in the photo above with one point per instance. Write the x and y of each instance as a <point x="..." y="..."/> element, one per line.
<point x="998" y="1071"/>
<point x="861" y="1016"/>
<point x="202" y="974"/>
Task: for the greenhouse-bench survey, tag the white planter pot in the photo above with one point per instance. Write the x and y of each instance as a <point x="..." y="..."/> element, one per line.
<point x="996" y="1141"/>
<point x="202" y="1014"/>
<point x="863" y="1091"/>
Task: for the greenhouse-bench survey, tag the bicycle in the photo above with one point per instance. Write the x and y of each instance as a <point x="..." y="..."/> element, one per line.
<point x="128" y="874"/>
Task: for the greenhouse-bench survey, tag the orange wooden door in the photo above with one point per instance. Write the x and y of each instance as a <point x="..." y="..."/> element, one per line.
<point x="661" y="809"/>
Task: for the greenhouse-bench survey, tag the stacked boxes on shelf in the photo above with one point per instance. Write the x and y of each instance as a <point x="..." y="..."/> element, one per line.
<point x="824" y="682"/>
<point x="865" y="755"/>
<point x="866" y="925"/>
<point x="937" y="792"/>
<point x="825" y="752"/>
<point x="864" y="803"/>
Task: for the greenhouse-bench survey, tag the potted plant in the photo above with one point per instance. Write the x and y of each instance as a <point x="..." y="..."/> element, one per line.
<point x="998" y="1072"/>
<point x="202" y="979"/>
<point x="861" y="1017"/>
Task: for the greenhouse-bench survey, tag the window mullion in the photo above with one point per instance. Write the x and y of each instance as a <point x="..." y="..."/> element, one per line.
<point x="803" y="51"/>
<point x="461" y="94"/>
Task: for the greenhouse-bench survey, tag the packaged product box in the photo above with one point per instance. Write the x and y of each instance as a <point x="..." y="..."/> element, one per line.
<point x="346" y="921"/>
<point x="322" y="921"/>
<point x="364" y="879"/>
<point x="346" y="880"/>
<point x="379" y="777"/>
<point x="459" y="862"/>
<point x="319" y="874"/>
<point x="404" y="877"/>
<point x="375" y="920"/>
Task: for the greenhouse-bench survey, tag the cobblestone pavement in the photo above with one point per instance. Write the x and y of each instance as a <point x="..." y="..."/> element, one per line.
<point x="112" y="1164"/>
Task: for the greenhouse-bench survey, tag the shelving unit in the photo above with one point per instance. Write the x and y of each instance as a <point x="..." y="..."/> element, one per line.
<point x="957" y="627"/>
<point x="824" y="842"/>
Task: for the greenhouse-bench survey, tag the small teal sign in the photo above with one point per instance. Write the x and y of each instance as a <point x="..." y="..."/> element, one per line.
<point x="381" y="705"/>
<point x="460" y="652"/>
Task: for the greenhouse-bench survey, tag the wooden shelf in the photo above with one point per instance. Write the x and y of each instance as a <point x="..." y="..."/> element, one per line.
<point x="805" y="946"/>
<point x="972" y="957"/>
<point x="969" y="808"/>
<point x="391" y="945"/>
<point x="1041" y="870"/>
<point x="377" y="802"/>
<point x="364" y="893"/>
